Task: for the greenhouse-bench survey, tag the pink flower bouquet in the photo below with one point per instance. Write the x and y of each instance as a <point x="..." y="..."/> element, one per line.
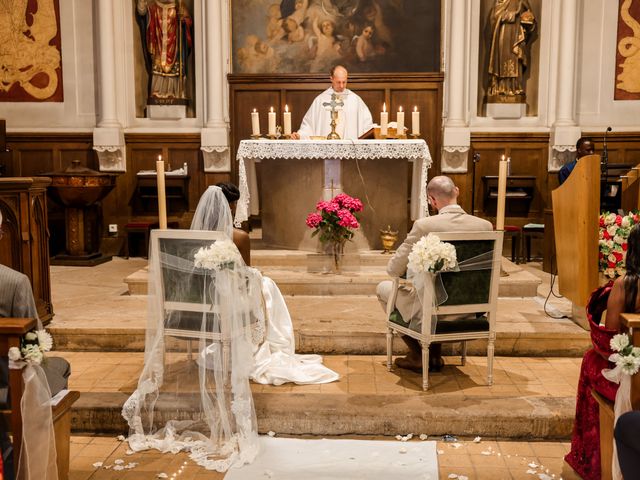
<point x="335" y="221"/>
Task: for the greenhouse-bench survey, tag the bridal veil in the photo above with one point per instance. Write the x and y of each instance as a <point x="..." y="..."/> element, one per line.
<point x="200" y="293"/>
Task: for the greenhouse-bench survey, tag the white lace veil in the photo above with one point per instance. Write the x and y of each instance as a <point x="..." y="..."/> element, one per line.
<point x="213" y="212"/>
<point x="202" y="403"/>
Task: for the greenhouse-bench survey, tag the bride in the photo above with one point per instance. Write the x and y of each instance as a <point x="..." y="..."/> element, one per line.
<point x="275" y="360"/>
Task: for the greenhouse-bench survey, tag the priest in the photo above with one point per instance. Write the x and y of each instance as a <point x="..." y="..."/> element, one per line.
<point x="354" y="118"/>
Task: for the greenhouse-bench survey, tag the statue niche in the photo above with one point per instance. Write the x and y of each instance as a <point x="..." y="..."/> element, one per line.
<point x="166" y="33"/>
<point x="510" y="31"/>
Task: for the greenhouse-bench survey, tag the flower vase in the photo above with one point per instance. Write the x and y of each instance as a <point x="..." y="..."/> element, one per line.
<point x="335" y="254"/>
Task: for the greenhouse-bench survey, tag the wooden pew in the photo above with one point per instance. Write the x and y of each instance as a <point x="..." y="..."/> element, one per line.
<point x="630" y="324"/>
<point x="11" y="330"/>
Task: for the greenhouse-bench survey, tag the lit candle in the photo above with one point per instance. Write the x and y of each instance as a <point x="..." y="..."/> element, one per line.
<point x="415" y="121"/>
<point x="384" y="120"/>
<point x="162" y="199"/>
<point x="272" y="123"/>
<point x="502" y="193"/>
<point x="400" y="122"/>
<point x="287" y="120"/>
<point x="255" y="123"/>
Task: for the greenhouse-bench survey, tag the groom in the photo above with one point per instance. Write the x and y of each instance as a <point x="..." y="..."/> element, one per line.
<point x="442" y="194"/>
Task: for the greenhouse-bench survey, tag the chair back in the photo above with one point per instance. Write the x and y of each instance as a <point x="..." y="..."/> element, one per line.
<point x="183" y="293"/>
<point x="473" y="289"/>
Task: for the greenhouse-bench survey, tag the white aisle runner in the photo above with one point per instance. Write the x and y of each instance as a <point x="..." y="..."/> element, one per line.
<point x="294" y="459"/>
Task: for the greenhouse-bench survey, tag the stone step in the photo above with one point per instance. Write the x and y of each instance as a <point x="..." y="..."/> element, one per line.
<point x="342" y="324"/>
<point x="525" y="418"/>
<point x="369" y="400"/>
<point x="294" y="278"/>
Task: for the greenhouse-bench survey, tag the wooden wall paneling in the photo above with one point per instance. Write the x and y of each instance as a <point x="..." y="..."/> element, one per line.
<point x="529" y="155"/>
<point x="35" y="162"/>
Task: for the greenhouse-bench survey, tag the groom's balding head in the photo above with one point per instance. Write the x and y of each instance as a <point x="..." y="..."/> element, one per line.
<point x="443" y="191"/>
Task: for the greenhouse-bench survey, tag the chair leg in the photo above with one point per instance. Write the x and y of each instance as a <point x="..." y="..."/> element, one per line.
<point x="189" y="350"/>
<point x="464" y="353"/>
<point x="490" y="349"/>
<point x="425" y="365"/>
<point x="389" y="348"/>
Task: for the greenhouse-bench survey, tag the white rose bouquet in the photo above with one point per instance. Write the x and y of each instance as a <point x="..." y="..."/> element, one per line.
<point x="627" y="357"/>
<point x="430" y="254"/>
<point x="32" y="347"/>
<point x="221" y="255"/>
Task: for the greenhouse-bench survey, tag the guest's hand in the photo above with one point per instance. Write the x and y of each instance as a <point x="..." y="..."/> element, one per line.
<point x="295" y="135"/>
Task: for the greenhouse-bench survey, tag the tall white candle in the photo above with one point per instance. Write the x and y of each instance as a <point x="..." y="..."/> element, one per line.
<point x="502" y="194"/>
<point x="415" y="121"/>
<point x="272" y="122"/>
<point x="162" y="198"/>
<point x="400" y="122"/>
<point x="286" y="120"/>
<point x="255" y="123"/>
<point x="384" y="120"/>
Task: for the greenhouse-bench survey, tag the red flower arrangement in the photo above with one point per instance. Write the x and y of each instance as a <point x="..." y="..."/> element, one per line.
<point x="336" y="221"/>
<point x="614" y="230"/>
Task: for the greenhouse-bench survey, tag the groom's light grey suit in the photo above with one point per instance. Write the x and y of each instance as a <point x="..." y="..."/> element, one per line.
<point x="451" y="218"/>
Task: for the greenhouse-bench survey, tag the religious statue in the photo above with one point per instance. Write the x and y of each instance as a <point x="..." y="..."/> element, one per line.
<point x="167" y="33"/>
<point x="512" y="25"/>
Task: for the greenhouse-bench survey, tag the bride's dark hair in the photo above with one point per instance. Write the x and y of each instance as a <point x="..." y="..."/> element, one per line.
<point x="632" y="265"/>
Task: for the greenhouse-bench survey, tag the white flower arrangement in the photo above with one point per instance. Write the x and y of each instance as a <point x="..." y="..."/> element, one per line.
<point x="220" y="255"/>
<point x="32" y="347"/>
<point x="430" y="254"/>
<point x="627" y="357"/>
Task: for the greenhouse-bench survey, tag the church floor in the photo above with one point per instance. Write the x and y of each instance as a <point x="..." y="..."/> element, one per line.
<point x="488" y="459"/>
<point x="99" y="328"/>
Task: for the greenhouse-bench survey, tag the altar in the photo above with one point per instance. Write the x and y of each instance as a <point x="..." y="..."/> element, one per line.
<point x="295" y="175"/>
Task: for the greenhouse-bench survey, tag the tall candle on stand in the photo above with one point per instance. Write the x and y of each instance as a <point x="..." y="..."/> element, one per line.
<point x="415" y="121"/>
<point x="162" y="199"/>
<point x="400" y="122"/>
<point x="272" y="123"/>
<point x="255" y="123"/>
<point x="286" y="120"/>
<point x="384" y="120"/>
<point x="502" y="194"/>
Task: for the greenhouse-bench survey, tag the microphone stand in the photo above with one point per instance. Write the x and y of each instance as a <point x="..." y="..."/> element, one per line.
<point x="476" y="159"/>
<point x="604" y="162"/>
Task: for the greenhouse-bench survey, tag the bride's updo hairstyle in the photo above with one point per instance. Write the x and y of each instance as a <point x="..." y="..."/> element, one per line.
<point x="632" y="264"/>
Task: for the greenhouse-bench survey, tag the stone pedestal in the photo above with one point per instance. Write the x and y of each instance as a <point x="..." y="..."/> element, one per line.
<point x="167" y="112"/>
<point x="506" y="110"/>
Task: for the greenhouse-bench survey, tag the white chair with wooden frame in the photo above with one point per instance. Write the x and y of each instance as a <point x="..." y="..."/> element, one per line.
<point x="473" y="291"/>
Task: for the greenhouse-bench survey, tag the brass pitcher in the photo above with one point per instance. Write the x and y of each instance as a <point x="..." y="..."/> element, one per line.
<point x="389" y="239"/>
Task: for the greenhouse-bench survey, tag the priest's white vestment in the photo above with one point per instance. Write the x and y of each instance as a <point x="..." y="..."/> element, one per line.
<point x="354" y="118"/>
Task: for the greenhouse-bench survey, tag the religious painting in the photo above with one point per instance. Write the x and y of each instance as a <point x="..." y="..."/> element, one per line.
<point x="309" y="36"/>
<point x="628" y="54"/>
<point x="30" y="51"/>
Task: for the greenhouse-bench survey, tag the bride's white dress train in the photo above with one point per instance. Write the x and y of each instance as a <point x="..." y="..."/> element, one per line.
<point x="275" y="360"/>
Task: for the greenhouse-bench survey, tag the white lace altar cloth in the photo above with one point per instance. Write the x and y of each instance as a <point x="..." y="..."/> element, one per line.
<point x="252" y="151"/>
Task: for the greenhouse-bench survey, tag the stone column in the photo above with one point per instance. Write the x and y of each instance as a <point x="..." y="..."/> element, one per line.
<point x="108" y="137"/>
<point x="214" y="137"/>
<point x="565" y="132"/>
<point x="457" y="137"/>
